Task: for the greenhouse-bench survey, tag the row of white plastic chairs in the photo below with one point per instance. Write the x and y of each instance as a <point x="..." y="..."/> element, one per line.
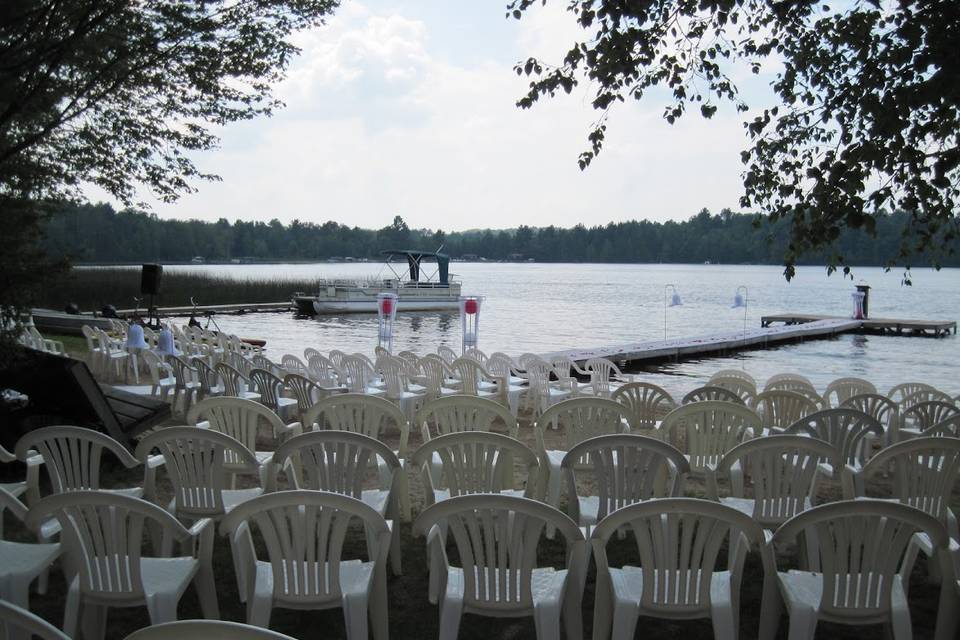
<point x="657" y="527"/>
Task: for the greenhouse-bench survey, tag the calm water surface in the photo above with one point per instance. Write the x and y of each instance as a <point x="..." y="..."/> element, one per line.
<point x="548" y="307"/>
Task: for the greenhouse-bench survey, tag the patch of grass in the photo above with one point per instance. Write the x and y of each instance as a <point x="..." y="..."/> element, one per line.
<point x="76" y="346"/>
<point x="93" y="288"/>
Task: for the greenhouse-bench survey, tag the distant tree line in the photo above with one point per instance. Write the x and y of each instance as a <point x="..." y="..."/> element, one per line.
<point x="98" y="233"/>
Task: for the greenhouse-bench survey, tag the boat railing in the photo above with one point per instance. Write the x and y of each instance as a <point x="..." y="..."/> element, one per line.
<point x="387" y="284"/>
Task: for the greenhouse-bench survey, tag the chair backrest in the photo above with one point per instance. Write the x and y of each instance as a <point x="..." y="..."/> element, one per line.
<point x="478" y="462"/>
<point x="72" y="456"/>
<point x="241" y="363"/>
<point x="602" y="371"/>
<point x="880" y="407"/>
<point x="304" y="533"/>
<point x="448" y="354"/>
<point x="624" y="468"/>
<point x="337" y="357"/>
<point x="899" y="392"/>
<point x="183" y="371"/>
<point x="500" y="365"/>
<point x="497" y="539"/>
<point x="646" y="404"/>
<point x="781" y="408"/>
<point x="582" y="418"/>
<point x="743" y="388"/>
<point x="679" y="541"/>
<point x="779" y="378"/>
<point x="207" y="376"/>
<point x="949" y="428"/>
<point x="394" y="378"/>
<point x="231" y="377"/>
<point x="358" y="413"/>
<point x="924" y="395"/>
<point x="709" y="429"/>
<point x="798" y="386"/>
<point x="456" y="413"/>
<point x="359" y="373"/>
<point x="323" y="371"/>
<point x="435" y="373"/>
<point x="292" y="364"/>
<point x="309" y="352"/>
<point x="103" y="533"/>
<point x="844" y="429"/>
<point x="924" y="474"/>
<point x="538" y="378"/>
<point x="734" y="373"/>
<point x="709" y="392"/>
<point x="269" y="386"/>
<point x="335" y="461"/>
<point x="16" y="618"/>
<point x="306" y="391"/>
<point x="861" y="546"/>
<point x="842" y="389"/>
<point x="470" y="373"/>
<point x="238" y="418"/>
<point x="924" y="415"/>
<point x="195" y="460"/>
<point x="205" y="630"/>
<point x="777" y="471"/>
<point x="476" y="354"/>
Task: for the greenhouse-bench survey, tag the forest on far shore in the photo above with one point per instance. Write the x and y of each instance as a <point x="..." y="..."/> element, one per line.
<point x="98" y="233"/>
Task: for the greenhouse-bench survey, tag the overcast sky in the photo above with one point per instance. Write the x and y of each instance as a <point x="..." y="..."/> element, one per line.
<point x="408" y="108"/>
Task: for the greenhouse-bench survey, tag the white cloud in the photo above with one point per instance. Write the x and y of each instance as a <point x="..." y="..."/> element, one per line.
<point x="379" y="124"/>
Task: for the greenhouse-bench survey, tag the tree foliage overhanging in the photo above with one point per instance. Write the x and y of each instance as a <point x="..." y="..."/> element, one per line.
<point x="117" y="94"/>
<point x="98" y="233"/>
<point x="868" y="90"/>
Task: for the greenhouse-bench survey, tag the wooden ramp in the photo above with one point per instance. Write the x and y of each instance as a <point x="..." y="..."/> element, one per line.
<point x="766" y="336"/>
<point x="931" y="328"/>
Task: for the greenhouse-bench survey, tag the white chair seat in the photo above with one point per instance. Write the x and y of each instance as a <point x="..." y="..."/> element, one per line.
<point x="162" y="575"/>
<point x="14" y="488"/>
<point x="250" y="395"/>
<point x="628" y="589"/>
<point x="802" y="589"/>
<point x="355" y="580"/>
<point x="25" y="558"/>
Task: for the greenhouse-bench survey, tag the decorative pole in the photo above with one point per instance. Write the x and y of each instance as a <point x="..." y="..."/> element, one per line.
<point x="674" y="301"/>
<point x="470" y="320"/>
<point x="386" y="314"/>
<point x="742" y="301"/>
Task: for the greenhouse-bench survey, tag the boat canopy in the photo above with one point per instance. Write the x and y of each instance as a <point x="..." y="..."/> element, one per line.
<point x="414" y="258"/>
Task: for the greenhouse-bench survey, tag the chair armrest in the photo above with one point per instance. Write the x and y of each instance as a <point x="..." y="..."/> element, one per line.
<point x="201" y="539"/>
<point x="150" y="477"/>
<point x="851" y="481"/>
<point x="293" y="428"/>
<point x="439" y="565"/>
<point x="711" y="477"/>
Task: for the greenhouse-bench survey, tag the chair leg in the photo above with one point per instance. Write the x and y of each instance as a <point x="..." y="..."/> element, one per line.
<point x="162" y="607"/>
<point x="71" y="611"/>
<point x="355" y="616"/>
<point x="771" y="608"/>
<point x="803" y="623"/>
<point x="207" y="591"/>
<point x="625" y="619"/>
<point x="94" y="622"/>
<point x="259" y="608"/>
<point x="724" y="621"/>
<point x="546" y="620"/>
<point x="451" y="610"/>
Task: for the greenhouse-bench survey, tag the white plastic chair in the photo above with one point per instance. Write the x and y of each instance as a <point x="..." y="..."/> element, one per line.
<point x="623" y="468"/>
<point x="647" y="404"/>
<point x="322" y="371"/>
<point x="605" y="376"/>
<point x="476" y="462"/>
<point x="771" y="479"/>
<point x="369" y="415"/>
<point x="779" y="378"/>
<point x="210" y="385"/>
<point x="241" y="419"/>
<point x="340" y="462"/>
<point x="306" y="391"/>
<point x="924" y="474"/>
<point x="678" y="576"/>
<point x="205" y="630"/>
<point x="235" y="383"/>
<point x="396" y="383"/>
<point x="846" y="430"/>
<point x="923" y="415"/>
<point x="949" y="428"/>
<point x="162" y="379"/>
<point x="745" y="389"/>
<point x="304" y="533"/>
<point x="881" y="408"/>
<point x="103" y="534"/>
<point x="856" y="577"/>
<point x="188" y="383"/>
<point x="804" y="388"/>
<point x="541" y="394"/>
<point x="270" y="387"/>
<point x="360" y="375"/>
<point x="706" y="431"/>
<point x="22" y="562"/>
<point x="435" y="378"/>
<point x="842" y="389"/>
<point x="779" y="408"/>
<point x="497" y="539"/>
<point x="19" y="620"/>
<point x="475" y="380"/>
<point x="709" y="392"/>
<point x="580" y="419"/>
<point x="734" y="373"/>
<point x="900" y="392"/>
<point x="448" y="354"/>
<point x="19" y="487"/>
<point x="72" y="458"/>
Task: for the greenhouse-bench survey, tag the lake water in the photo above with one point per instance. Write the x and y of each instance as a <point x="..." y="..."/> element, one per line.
<point x="548" y="307"/>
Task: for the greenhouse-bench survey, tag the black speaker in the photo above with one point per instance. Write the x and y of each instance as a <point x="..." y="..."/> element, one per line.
<point x="150" y="279"/>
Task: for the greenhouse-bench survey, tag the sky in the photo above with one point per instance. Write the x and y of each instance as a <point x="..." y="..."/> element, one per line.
<point x="408" y="108"/>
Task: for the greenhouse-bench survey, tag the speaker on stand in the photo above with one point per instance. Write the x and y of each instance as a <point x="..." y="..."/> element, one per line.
<point x="150" y="276"/>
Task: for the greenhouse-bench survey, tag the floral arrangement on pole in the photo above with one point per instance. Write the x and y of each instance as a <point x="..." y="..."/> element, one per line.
<point x="470" y="320"/>
<point x="386" y="314"/>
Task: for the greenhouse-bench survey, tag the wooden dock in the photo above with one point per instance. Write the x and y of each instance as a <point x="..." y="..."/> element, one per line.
<point x="718" y="344"/>
<point x="928" y="328"/>
<point x="249" y="307"/>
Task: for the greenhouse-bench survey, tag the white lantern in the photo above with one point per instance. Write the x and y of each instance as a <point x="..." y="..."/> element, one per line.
<point x="470" y="320"/>
<point x="386" y="314"/>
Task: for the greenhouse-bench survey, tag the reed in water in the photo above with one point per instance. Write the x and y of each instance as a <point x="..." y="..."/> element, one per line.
<point x="93" y="288"/>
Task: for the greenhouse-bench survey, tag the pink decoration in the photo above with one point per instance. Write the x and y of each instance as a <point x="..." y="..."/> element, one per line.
<point x="470" y="307"/>
<point x="386" y="306"/>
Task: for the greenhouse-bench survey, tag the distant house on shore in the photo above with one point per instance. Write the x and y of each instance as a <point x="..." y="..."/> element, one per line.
<point x="198" y="260"/>
<point x="515" y="257"/>
<point x="470" y="257"/>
